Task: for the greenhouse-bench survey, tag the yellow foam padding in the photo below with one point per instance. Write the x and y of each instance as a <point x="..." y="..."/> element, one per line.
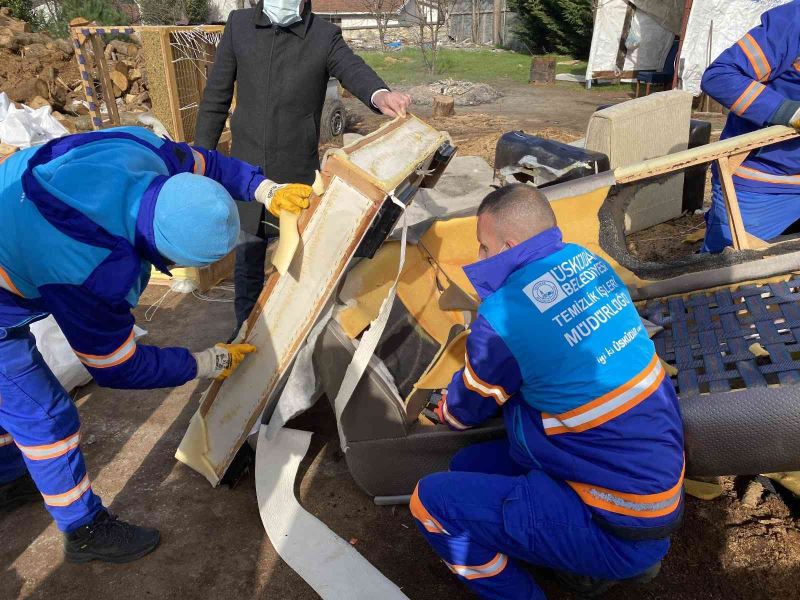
<point x="758" y="350"/>
<point x="193" y="449"/>
<point x="287" y="242"/>
<point x="668" y="368"/>
<point x="447" y="363"/>
<point x="704" y="490"/>
<point x="453" y="244"/>
<point x="368" y="284"/>
<point x="791" y="480"/>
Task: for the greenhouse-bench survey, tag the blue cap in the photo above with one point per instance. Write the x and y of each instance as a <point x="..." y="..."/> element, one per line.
<point x="195" y="222"/>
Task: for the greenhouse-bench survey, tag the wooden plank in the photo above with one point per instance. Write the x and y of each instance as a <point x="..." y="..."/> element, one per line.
<point x="687" y="10"/>
<point x="738" y="233"/>
<point x="704" y="154"/>
<point x="172" y="85"/>
<point x="106" y="85"/>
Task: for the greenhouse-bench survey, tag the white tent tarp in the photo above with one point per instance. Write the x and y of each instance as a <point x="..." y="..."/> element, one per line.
<point x="654" y="26"/>
<point x="720" y="24"/>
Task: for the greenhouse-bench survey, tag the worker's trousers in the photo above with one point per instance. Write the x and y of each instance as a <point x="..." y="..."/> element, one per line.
<point x="487" y="516"/>
<point x="766" y="215"/>
<point x="39" y="432"/>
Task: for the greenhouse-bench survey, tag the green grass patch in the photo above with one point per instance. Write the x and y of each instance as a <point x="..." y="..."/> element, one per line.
<point x="406" y="67"/>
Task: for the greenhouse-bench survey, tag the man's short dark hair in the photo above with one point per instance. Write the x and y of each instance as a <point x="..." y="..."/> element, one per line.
<point x="519" y="210"/>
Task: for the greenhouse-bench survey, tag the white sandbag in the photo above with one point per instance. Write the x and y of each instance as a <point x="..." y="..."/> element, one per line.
<point x="25" y="127"/>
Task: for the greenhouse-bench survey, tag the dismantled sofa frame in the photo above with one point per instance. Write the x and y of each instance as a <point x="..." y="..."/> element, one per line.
<point x="365" y="185"/>
<point x="731" y="334"/>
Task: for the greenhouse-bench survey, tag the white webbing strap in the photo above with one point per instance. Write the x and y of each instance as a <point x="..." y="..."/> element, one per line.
<point x="369" y="341"/>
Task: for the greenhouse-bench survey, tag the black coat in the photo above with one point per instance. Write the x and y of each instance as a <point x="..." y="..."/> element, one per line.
<point x="281" y="75"/>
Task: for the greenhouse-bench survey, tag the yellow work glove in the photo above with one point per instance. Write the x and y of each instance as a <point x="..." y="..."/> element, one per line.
<point x="292" y="197"/>
<point x="221" y="360"/>
<point x="795" y="122"/>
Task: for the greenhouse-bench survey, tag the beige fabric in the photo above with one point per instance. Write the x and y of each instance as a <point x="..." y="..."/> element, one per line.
<point x="638" y="130"/>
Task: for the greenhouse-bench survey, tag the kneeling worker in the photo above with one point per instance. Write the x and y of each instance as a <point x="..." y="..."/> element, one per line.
<point x="758" y="79"/>
<point x="589" y="482"/>
<point x="82" y="219"/>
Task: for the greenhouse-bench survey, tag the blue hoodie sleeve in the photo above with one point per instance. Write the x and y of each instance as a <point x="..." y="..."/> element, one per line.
<point x="101" y="335"/>
<point x="238" y="177"/>
<point x="490" y="377"/>
<point x="736" y="78"/>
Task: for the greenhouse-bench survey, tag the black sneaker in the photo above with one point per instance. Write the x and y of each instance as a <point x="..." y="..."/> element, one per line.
<point x="18" y="492"/>
<point x="109" y="540"/>
<point x="588" y="587"/>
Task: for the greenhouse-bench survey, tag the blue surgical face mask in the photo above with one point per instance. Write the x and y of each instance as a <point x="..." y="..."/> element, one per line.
<point x="283" y="12"/>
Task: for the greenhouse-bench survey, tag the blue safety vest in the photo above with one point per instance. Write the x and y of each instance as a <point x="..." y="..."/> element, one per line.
<point x="595" y="408"/>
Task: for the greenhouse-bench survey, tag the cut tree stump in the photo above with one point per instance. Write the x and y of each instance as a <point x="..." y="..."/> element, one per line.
<point x="443" y="106"/>
<point x="543" y="70"/>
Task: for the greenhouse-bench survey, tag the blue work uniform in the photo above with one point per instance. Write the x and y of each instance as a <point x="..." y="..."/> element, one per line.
<point x="590" y="479"/>
<point x="758" y="79"/>
<point x="77" y="242"/>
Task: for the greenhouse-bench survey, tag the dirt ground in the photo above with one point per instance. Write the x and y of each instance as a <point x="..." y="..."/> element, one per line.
<point x="213" y="542"/>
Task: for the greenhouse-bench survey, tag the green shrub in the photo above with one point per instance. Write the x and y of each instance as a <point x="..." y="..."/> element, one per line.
<point x="22" y="9"/>
<point x="169" y="12"/>
<point x="103" y="12"/>
<point x="563" y="26"/>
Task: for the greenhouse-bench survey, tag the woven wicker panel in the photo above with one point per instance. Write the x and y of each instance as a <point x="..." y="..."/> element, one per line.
<point x="708" y="336"/>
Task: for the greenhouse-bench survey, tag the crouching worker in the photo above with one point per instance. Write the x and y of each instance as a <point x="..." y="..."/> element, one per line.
<point x="589" y="482"/>
<point x="82" y="219"/>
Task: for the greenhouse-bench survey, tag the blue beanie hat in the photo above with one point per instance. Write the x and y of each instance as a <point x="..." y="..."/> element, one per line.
<point x="195" y="222"/>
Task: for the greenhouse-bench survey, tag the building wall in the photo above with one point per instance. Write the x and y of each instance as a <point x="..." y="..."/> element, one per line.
<point x="462" y="17"/>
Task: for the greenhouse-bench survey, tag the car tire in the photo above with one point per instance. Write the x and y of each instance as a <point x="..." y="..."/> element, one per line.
<point x="334" y="119"/>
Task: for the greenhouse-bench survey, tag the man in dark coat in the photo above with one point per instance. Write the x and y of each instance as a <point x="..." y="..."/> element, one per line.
<point x="280" y="56"/>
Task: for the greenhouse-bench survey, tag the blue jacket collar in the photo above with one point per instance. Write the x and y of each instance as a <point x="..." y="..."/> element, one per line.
<point x="145" y="240"/>
<point x="487" y="276"/>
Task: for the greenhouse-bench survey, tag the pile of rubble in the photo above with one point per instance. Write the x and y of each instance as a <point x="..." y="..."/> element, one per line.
<point x="38" y="70"/>
<point x="465" y="93"/>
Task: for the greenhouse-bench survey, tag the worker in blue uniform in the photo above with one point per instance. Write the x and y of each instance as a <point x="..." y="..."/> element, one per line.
<point x="589" y="481"/>
<point x="82" y="220"/>
<point x="758" y="79"/>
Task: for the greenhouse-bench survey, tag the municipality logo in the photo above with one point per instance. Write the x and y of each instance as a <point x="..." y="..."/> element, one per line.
<point x="544" y="292"/>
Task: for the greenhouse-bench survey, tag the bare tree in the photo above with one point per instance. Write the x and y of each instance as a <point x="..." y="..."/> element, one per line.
<point x="428" y="18"/>
<point x="383" y="11"/>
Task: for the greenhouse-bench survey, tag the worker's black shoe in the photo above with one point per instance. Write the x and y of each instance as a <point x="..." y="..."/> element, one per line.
<point x="109" y="540"/>
<point x="18" y="492"/>
<point x="588" y="587"/>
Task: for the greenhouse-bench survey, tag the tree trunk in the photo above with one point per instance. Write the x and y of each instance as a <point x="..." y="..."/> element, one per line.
<point x="443" y="106"/>
<point x="497" y="39"/>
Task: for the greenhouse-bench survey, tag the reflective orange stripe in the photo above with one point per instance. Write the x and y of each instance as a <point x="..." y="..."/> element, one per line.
<point x="754" y="175"/>
<point x="489" y="569"/>
<point x="479" y="386"/>
<point x="199" y="163"/>
<point x="119" y="356"/>
<point x="747" y="98"/>
<point x="54" y="450"/>
<point x="631" y="505"/>
<point x="450" y="418"/>
<point x="755" y="54"/>
<point x="608" y="406"/>
<point x="422" y="515"/>
<point x="7" y="284"/>
<point x="69" y="497"/>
